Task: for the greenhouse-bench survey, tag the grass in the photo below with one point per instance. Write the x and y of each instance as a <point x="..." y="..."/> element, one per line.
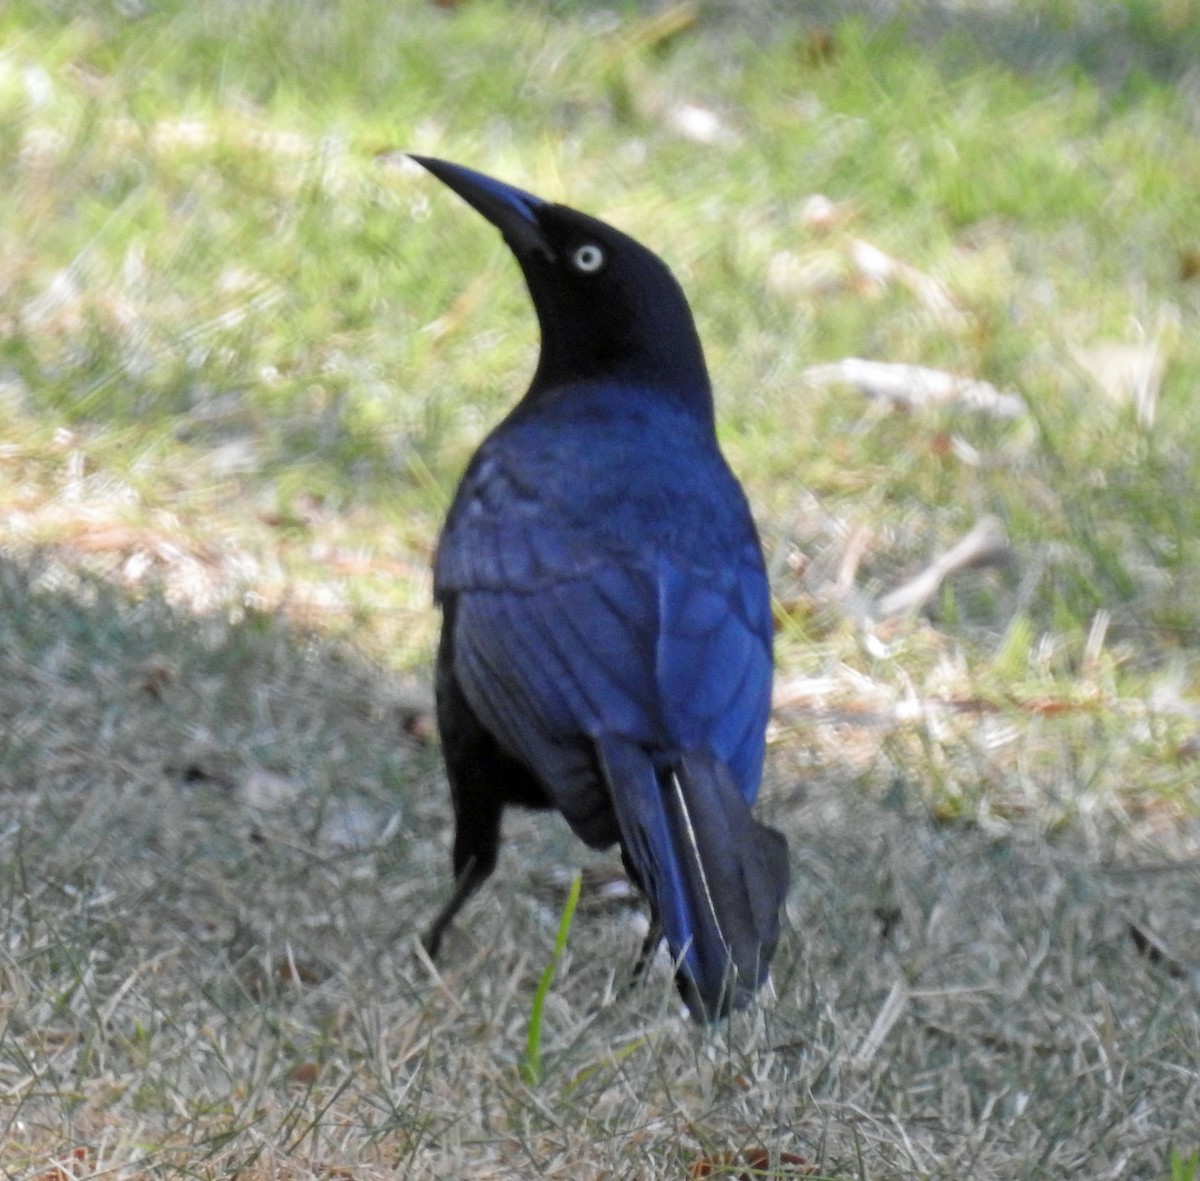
<point x="531" y="1064"/>
<point x="245" y="351"/>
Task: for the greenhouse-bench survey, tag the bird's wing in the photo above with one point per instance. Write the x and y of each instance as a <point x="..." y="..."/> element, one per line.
<point x="713" y="662"/>
<point x="660" y="658"/>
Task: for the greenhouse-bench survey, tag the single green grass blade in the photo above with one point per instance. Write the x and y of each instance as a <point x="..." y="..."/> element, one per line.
<point x="531" y="1063"/>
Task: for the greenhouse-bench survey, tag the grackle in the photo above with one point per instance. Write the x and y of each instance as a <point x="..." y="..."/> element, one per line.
<point x="606" y="627"/>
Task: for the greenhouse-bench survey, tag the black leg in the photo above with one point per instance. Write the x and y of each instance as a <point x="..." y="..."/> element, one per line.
<point x="483" y="781"/>
<point x="476" y="846"/>
<point x="466" y="884"/>
<point x="649" y="948"/>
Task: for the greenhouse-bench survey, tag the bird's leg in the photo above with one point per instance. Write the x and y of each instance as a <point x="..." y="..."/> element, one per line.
<point x="654" y="935"/>
<point x="649" y="948"/>
<point x="470" y="878"/>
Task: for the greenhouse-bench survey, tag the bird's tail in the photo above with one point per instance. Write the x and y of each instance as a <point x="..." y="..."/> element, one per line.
<point x="716" y="877"/>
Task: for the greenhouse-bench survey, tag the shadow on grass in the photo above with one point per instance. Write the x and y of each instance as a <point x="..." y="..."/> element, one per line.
<point x="163" y="771"/>
<point x="218" y="842"/>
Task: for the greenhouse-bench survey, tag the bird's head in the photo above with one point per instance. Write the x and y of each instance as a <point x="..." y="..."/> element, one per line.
<point x="609" y="309"/>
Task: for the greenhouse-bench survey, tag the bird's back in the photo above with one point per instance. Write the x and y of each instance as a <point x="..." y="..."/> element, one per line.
<point x="622" y="518"/>
<point x="604" y="473"/>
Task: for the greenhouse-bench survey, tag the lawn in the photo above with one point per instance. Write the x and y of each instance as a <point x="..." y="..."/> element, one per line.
<point x="946" y="265"/>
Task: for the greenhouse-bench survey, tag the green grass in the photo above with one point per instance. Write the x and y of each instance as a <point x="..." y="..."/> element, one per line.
<point x="531" y="1064"/>
<point x="245" y="351"/>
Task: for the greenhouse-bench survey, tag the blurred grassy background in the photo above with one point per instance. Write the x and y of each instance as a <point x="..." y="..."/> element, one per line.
<point x="246" y="349"/>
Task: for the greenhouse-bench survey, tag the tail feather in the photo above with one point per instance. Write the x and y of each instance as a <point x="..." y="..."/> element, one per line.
<point x="715" y="877"/>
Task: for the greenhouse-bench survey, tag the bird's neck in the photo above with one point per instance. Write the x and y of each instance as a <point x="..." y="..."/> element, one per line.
<point x="672" y="367"/>
<point x="630" y="407"/>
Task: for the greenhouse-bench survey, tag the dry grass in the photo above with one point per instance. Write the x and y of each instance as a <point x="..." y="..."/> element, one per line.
<point x="221" y="836"/>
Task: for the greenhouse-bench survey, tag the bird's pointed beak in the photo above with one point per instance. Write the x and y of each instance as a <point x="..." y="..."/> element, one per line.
<point x="511" y="210"/>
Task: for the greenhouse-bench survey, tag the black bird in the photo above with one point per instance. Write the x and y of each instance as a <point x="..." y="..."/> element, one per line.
<point x="606" y="634"/>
